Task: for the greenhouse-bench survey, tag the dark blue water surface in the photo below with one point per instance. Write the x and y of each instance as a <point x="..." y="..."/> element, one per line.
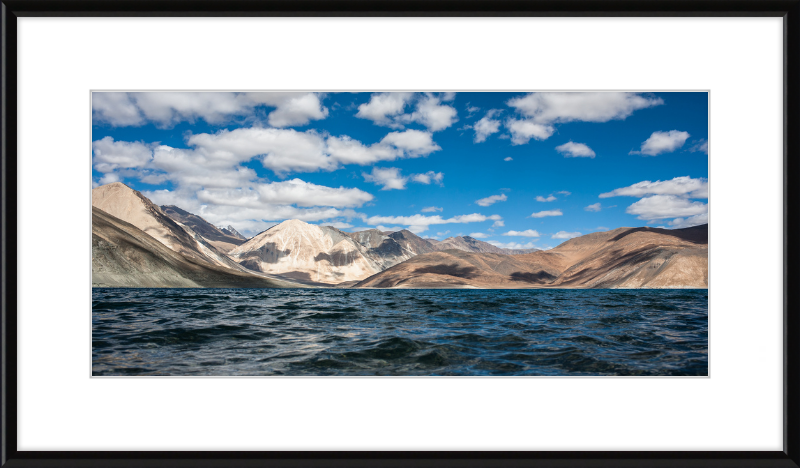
<point x="399" y="332"/>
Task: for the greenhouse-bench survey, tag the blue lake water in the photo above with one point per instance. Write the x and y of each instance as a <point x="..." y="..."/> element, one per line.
<point x="262" y="332"/>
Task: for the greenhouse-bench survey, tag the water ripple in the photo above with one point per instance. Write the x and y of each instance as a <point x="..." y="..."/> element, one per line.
<point x="399" y="332"/>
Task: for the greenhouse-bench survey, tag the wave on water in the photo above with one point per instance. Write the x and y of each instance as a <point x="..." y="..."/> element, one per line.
<point x="262" y="332"/>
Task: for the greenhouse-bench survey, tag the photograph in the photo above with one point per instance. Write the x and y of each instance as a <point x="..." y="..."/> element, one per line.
<point x="400" y="233"/>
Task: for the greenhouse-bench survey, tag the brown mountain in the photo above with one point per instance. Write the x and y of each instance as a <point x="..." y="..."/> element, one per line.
<point x="125" y="256"/>
<point x="214" y="235"/>
<point x="622" y="258"/>
<point x="470" y="244"/>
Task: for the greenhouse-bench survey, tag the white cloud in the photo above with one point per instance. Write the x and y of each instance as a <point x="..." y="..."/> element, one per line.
<point x="543" y="214"/>
<point x="479" y="235"/>
<point x="472" y="110"/>
<point x="546" y="108"/>
<point x="565" y="193"/>
<point x="292" y="109"/>
<point x="290" y="192"/>
<point x="523" y="130"/>
<point x="662" y="142"/>
<point x="498" y="223"/>
<point x="420" y="223"/>
<point x="395" y="145"/>
<point x="414" y="143"/>
<point x="109" y="178"/>
<point x="486" y="126"/>
<point x="565" y="235"/>
<point x="389" y="178"/>
<point x="695" y="220"/>
<point x="700" y="146"/>
<point x="428" y="177"/>
<point x="548" y="199"/>
<point x="382" y="107"/>
<point x="388" y="109"/>
<point x="491" y="200"/>
<point x="693" y="188"/>
<point x="281" y="150"/>
<point x="525" y="233"/>
<point x="508" y="159"/>
<point x="575" y="150"/>
<point x="431" y="209"/>
<point x="166" y="109"/>
<point x="110" y="155"/>
<point x="433" y="114"/>
<point x="443" y="233"/>
<point x="666" y="206"/>
<point x="513" y="245"/>
<point x="594" y="207"/>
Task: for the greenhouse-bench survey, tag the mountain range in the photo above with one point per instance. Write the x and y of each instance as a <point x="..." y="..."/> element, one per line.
<point x="136" y="243"/>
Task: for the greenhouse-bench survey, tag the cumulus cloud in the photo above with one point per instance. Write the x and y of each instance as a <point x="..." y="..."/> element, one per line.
<point x="388" y="178"/>
<point x="525" y="233"/>
<point x="693" y="188"/>
<point x="499" y="223"/>
<point x="542" y="110"/>
<point x="565" y="235"/>
<point x="594" y="207"/>
<point x="491" y="200"/>
<point x="388" y="109"/>
<point x="479" y="235"/>
<point x="428" y="177"/>
<point x="433" y="114"/>
<point x="431" y="209"/>
<point x="508" y="159"/>
<point x="391" y="178"/>
<point x="382" y="108"/>
<point x="546" y="108"/>
<point x="662" y="142"/>
<point x="165" y="109"/>
<point x="290" y="192"/>
<point x="575" y="150"/>
<point x="420" y="223"/>
<point x="543" y="214"/>
<point x="548" y="199"/>
<point x="109" y="155"/>
<point x="565" y="193"/>
<point x="523" y="130"/>
<point x="486" y="126"/>
<point x="666" y="206"/>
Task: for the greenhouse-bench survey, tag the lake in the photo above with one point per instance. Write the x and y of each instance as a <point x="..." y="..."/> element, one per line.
<point x="356" y="332"/>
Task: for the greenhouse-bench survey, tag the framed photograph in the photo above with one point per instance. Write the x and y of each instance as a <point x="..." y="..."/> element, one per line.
<point x="349" y="234"/>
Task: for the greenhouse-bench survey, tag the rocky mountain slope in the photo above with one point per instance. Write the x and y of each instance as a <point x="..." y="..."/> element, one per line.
<point x="470" y="244"/>
<point x="622" y="258"/>
<point x="214" y="235"/>
<point x="125" y="256"/>
<point x="131" y="206"/>
<point x="230" y="231"/>
<point x="306" y="252"/>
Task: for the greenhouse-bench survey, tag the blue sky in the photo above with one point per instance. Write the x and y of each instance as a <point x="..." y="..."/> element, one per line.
<point x="518" y="170"/>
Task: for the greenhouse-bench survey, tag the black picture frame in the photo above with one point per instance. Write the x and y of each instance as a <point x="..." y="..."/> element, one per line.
<point x="789" y="10"/>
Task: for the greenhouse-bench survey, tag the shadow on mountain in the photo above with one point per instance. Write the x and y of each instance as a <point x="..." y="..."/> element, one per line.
<point x="267" y="253"/>
<point x="541" y="277"/>
<point x="450" y="270"/>
<point x="695" y="235"/>
<point x="338" y="259"/>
